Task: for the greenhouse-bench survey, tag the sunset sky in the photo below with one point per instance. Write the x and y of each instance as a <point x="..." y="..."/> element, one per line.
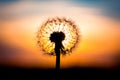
<point x="98" y="21"/>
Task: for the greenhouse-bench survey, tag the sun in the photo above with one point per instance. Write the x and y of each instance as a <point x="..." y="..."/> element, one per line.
<point x="66" y="26"/>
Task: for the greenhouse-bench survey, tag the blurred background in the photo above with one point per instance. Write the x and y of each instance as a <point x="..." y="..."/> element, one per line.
<point x="98" y="21"/>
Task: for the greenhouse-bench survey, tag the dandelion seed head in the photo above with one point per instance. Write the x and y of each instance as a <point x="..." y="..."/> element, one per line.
<point x="63" y="25"/>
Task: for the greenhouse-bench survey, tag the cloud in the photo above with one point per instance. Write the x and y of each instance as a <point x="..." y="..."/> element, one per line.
<point x="109" y="7"/>
<point x="22" y="9"/>
<point x="9" y="51"/>
<point x="14" y="55"/>
<point x="18" y="8"/>
<point x="8" y="1"/>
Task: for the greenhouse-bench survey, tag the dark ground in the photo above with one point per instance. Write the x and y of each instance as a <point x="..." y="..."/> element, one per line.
<point x="15" y="73"/>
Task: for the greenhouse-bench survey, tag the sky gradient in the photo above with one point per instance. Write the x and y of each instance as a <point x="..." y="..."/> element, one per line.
<point x="98" y="21"/>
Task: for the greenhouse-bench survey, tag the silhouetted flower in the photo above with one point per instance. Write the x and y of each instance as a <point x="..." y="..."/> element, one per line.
<point x="57" y="25"/>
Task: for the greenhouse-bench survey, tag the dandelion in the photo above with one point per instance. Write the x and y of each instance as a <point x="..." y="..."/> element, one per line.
<point x="57" y="36"/>
<point x="64" y="28"/>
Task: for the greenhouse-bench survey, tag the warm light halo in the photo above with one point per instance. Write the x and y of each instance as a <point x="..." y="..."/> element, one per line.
<point x="56" y="24"/>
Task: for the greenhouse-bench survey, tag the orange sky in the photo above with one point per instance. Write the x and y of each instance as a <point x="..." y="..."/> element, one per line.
<point x="98" y="44"/>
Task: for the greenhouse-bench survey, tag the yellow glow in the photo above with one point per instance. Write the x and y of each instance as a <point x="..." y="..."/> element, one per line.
<point x="98" y="42"/>
<point x="57" y="25"/>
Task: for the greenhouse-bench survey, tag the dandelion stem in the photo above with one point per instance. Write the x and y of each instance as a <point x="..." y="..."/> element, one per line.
<point x="57" y="60"/>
